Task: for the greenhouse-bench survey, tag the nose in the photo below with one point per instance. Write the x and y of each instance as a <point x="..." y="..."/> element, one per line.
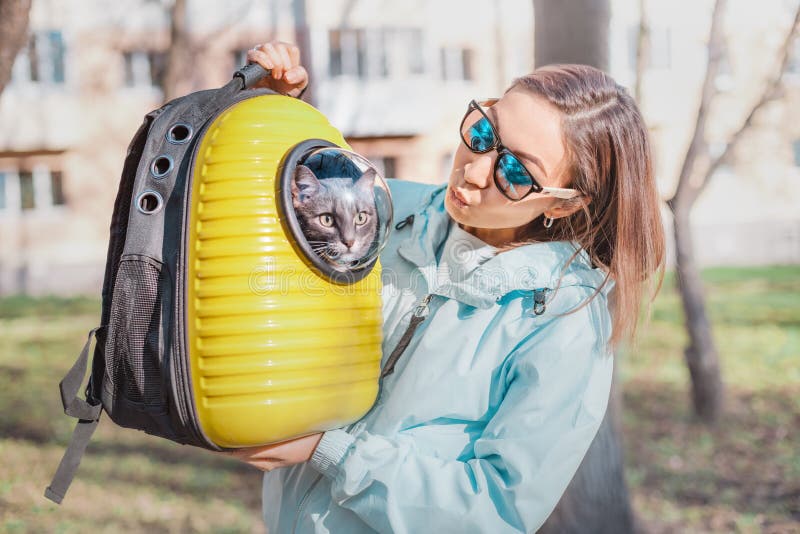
<point x="478" y="171"/>
<point x="348" y="242"/>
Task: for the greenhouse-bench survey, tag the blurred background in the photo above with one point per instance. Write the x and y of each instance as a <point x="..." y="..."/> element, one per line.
<point x="703" y="431"/>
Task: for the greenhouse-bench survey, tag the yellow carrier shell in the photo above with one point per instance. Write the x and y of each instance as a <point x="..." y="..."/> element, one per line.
<point x="276" y="349"/>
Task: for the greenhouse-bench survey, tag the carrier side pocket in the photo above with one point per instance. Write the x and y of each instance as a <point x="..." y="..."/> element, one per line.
<point x="134" y="352"/>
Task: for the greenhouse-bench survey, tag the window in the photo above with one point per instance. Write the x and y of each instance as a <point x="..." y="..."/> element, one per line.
<point x="405" y="51"/>
<point x="347" y="52"/>
<point x="42" y="59"/>
<point x="796" y="150"/>
<point x="376" y="56"/>
<point x="389" y="167"/>
<point x="145" y="68"/>
<point x="27" y="199"/>
<point x="386" y="165"/>
<point x="2" y="190"/>
<point x="31" y="190"/>
<point x="457" y="63"/>
<point x="375" y="52"/>
<point x="56" y="189"/>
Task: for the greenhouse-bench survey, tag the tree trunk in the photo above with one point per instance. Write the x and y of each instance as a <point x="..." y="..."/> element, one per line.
<point x="596" y="499"/>
<point x="574" y="31"/>
<point x="701" y="353"/>
<point x="176" y="77"/>
<point x="13" y="34"/>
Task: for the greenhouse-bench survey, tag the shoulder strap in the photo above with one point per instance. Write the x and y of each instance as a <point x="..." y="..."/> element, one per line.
<point x="88" y="416"/>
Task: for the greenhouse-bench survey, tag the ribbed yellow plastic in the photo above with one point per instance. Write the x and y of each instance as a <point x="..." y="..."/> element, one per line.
<point x="277" y="351"/>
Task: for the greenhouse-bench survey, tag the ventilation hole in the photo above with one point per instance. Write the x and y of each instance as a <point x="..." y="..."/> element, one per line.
<point x="149" y="202"/>
<point x="179" y="133"/>
<point x="161" y="166"/>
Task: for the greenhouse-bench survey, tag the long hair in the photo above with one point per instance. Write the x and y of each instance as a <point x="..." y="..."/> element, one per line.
<point x="608" y="160"/>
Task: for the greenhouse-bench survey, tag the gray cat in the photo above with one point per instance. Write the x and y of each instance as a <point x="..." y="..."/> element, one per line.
<point x="337" y="215"/>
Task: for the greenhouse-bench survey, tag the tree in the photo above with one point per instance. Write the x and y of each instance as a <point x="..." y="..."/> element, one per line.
<point x="696" y="172"/>
<point x="13" y="34"/>
<point x="597" y="498"/>
<point x="179" y="55"/>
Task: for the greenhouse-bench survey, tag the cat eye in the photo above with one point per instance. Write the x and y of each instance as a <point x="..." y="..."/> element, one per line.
<point x="326" y="219"/>
<point x="361" y="217"/>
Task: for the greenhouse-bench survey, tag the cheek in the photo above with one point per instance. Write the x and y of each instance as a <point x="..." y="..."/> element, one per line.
<point x="461" y="157"/>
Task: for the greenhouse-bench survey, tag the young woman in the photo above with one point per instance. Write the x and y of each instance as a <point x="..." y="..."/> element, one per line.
<point x="496" y="289"/>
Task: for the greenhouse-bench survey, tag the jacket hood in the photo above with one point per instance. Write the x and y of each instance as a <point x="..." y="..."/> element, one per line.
<point x="524" y="268"/>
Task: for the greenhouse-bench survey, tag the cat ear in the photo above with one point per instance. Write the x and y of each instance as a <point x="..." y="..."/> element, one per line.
<point x="367" y="180"/>
<point x="304" y="186"/>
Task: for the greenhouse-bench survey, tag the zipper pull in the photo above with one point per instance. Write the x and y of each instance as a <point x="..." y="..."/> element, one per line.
<point x="538" y="301"/>
<point x="420" y="312"/>
<point x="405" y="222"/>
<point x="422" y="308"/>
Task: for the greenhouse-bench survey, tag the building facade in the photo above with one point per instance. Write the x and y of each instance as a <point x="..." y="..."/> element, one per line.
<point x="395" y="78"/>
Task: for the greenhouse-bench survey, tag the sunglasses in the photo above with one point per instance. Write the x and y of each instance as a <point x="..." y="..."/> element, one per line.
<point x="510" y="175"/>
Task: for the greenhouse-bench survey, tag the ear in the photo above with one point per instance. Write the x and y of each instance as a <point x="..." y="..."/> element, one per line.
<point x="568" y="206"/>
<point x="304" y="185"/>
<point x="367" y="180"/>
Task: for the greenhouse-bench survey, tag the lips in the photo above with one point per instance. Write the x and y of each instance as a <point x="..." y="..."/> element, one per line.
<point x="459" y="198"/>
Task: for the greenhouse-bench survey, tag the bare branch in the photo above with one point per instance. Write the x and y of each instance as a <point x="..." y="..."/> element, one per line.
<point x="770" y="93"/>
<point x="685" y="191"/>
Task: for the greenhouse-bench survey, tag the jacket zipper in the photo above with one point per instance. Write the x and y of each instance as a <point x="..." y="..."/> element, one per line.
<point x="419" y="314"/>
<point x="303" y="502"/>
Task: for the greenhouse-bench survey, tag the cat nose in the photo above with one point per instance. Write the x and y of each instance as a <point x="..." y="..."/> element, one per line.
<point x="348" y="242"/>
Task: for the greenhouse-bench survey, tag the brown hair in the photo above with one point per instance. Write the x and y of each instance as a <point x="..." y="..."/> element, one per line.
<point x="609" y="161"/>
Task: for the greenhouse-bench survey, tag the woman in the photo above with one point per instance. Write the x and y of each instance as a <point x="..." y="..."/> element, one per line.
<point x="487" y="408"/>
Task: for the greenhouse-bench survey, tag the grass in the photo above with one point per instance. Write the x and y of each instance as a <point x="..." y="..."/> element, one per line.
<point x="741" y="476"/>
<point x="128" y="481"/>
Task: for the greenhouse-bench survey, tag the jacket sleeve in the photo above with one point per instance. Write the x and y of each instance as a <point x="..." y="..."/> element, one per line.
<point x="557" y="392"/>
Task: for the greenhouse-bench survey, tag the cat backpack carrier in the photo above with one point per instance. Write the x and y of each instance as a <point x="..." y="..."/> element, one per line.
<point x="223" y="325"/>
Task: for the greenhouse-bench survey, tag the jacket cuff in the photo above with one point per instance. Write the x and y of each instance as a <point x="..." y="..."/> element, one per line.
<point x="330" y="452"/>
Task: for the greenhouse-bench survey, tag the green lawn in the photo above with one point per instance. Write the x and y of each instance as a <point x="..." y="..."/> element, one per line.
<point x="742" y="476"/>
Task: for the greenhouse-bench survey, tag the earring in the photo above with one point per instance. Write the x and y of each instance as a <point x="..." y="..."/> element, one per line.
<point x="548" y="221"/>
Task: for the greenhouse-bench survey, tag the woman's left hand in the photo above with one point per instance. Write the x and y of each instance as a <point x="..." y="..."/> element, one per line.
<point x="283" y="454"/>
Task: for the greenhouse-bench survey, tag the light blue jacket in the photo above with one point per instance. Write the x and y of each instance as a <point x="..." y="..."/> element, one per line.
<point x="490" y="409"/>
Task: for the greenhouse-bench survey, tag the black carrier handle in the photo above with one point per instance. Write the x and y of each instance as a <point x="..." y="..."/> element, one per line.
<point x="251" y="74"/>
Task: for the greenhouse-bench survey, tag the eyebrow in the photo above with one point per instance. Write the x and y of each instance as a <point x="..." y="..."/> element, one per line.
<point x="530" y="157"/>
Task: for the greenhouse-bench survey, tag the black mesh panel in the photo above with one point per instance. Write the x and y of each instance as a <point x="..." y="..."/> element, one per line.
<point x="134" y="333"/>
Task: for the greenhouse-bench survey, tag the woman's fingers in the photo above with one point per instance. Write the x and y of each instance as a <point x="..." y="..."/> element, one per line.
<point x="294" y="55"/>
<point x="297" y="76"/>
<point x="286" y="61"/>
<point x="278" y="65"/>
<point x="283" y="61"/>
<point x="259" y="57"/>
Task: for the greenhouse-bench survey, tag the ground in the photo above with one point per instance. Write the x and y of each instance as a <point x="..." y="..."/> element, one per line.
<point x="743" y="475"/>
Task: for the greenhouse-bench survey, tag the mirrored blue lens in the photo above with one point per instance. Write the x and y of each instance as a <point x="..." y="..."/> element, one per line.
<point x="512" y="177"/>
<point x="480" y="135"/>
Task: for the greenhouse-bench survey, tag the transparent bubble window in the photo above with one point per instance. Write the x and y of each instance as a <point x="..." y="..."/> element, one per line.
<point x="338" y="208"/>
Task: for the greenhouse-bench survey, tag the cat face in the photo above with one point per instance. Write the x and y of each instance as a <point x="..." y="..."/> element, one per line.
<point x="337" y="215"/>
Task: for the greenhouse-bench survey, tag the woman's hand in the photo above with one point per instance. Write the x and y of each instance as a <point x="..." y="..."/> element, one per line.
<point x="283" y="454"/>
<point x="288" y="77"/>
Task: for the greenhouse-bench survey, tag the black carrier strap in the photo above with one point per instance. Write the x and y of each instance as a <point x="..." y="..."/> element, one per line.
<point x="88" y="416"/>
<point x="87" y="413"/>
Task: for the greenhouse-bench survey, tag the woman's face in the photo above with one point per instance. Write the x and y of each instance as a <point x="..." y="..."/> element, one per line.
<point x="530" y="127"/>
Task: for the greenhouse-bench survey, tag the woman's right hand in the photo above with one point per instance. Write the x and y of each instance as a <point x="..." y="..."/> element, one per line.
<point x="288" y="76"/>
